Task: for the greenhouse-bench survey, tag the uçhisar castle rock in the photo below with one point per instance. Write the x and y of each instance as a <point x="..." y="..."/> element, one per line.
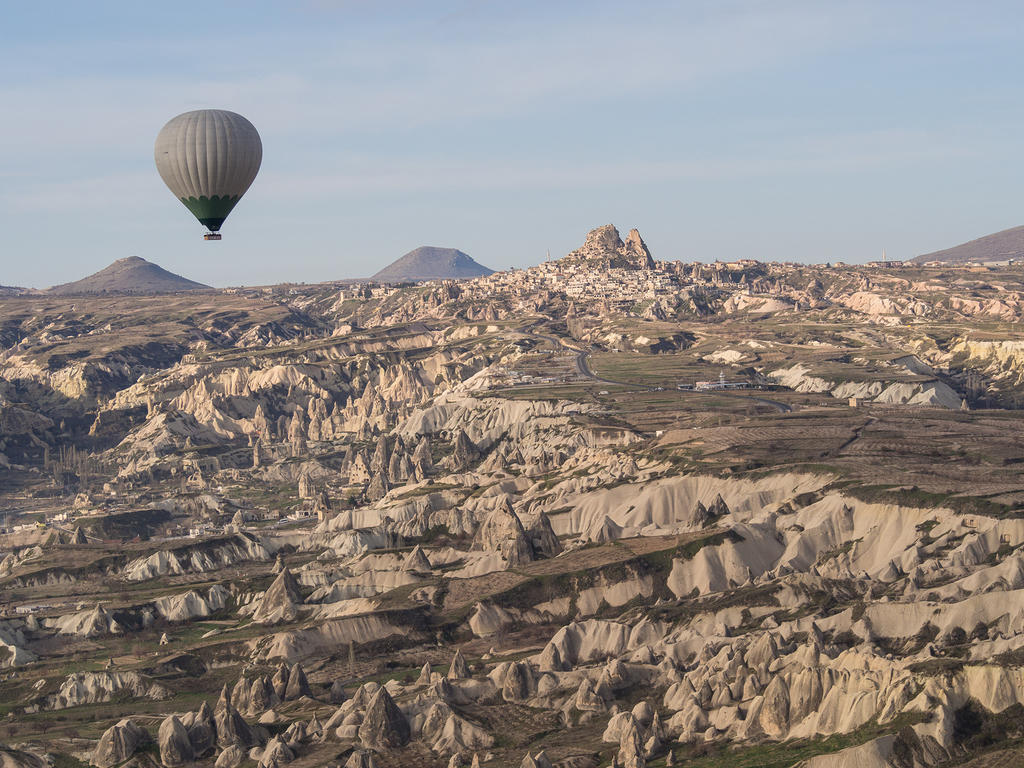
<point x="604" y="249"/>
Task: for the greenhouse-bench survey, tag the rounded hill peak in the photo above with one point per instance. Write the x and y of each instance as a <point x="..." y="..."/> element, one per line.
<point x="132" y="274"/>
<point x="430" y="262"/>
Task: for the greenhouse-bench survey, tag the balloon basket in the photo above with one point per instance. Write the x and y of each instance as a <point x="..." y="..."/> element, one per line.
<point x="212" y="236"/>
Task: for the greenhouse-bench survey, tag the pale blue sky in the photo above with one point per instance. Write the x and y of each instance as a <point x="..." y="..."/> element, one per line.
<point x="805" y="131"/>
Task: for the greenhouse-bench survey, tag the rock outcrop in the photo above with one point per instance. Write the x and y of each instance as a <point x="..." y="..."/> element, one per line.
<point x="175" y="747"/>
<point x="604" y="249"/>
<point x="230" y="727"/>
<point x="118" y="743"/>
<point x="81" y="688"/>
<point x="383" y="725"/>
<point x="276" y="754"/>
<point x="281" y="601"/>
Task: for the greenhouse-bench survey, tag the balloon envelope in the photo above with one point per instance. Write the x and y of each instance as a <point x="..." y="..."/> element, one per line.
<point x="208" y="159"/>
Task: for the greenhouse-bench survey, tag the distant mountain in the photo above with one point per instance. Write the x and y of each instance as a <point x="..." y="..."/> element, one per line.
<point x="1001" y="246"/>
<point x="130" y="275"/>
<point x="429" y="263"/>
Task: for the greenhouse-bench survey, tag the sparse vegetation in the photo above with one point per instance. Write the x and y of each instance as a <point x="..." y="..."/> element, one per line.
<point x="438" y="468"/>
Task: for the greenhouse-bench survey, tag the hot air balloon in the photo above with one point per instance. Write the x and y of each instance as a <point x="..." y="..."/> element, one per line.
<point x="208" y="159"/>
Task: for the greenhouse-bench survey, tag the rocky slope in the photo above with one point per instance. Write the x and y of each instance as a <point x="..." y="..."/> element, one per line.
<point x="1001" y="246"/>
<point x="129" y="275"/>
<point x="430" y="263"/>
<point x="480" y="524"/>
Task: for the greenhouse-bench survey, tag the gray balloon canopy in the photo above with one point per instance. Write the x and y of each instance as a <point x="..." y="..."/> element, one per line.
<point x="208" y="159"/>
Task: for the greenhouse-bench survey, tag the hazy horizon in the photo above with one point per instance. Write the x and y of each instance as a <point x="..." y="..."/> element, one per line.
<point x="785" y="131"/>
<point x="359" y="278"/>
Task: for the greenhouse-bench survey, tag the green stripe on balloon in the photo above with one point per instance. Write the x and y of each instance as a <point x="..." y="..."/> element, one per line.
<point x="211" y="211"/>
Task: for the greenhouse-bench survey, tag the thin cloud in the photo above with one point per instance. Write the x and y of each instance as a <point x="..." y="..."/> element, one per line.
<point x="426" y="81"/>
<point x="797" y="156"/>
